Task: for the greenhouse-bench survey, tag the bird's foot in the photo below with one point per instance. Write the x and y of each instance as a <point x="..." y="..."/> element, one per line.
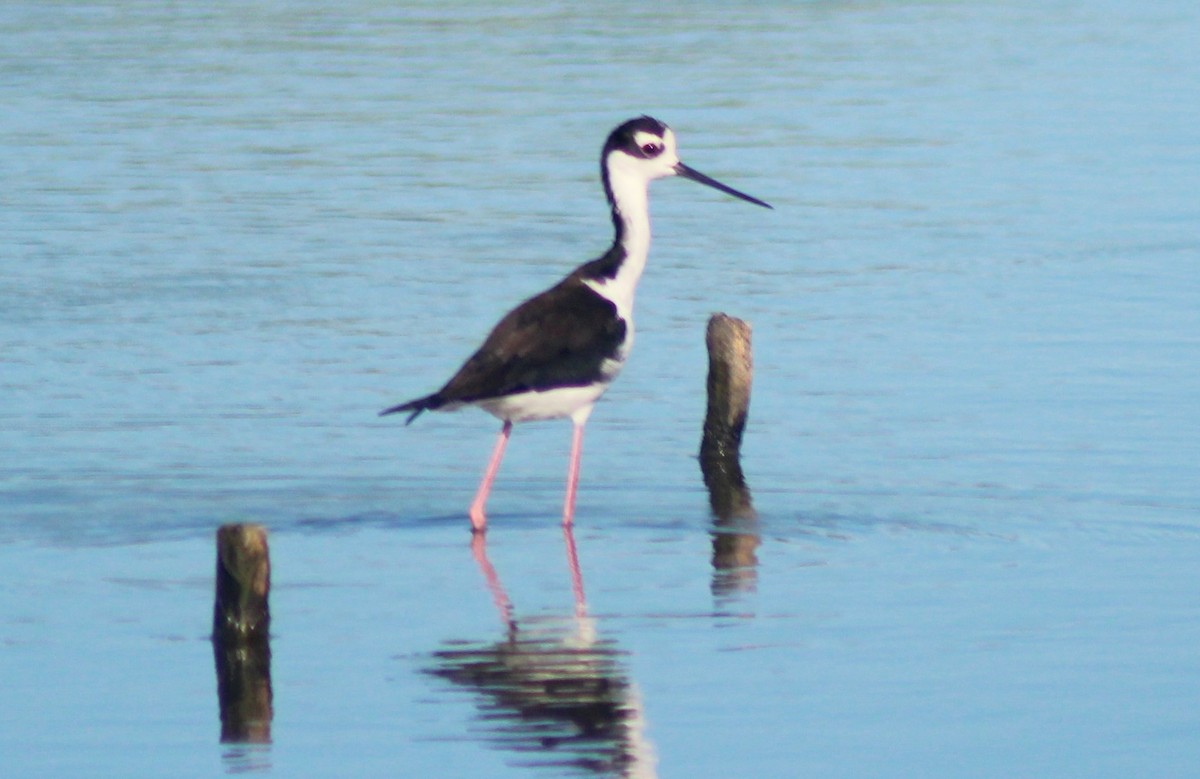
<point x="478" y="520"/>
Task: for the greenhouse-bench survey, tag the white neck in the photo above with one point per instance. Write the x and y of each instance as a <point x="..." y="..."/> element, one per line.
<point x="631" y="208"/>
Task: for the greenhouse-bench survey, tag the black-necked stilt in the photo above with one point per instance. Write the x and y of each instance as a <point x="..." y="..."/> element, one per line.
<point x="555" y="354"/>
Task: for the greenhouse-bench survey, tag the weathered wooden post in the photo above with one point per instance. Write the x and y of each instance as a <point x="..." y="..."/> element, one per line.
<point x="241" y="633"/>
<point x="730" y="375"/>
<point x="242" y="611"/>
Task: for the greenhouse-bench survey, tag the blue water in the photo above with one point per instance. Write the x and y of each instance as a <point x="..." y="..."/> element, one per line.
<point x="233" y="232"/>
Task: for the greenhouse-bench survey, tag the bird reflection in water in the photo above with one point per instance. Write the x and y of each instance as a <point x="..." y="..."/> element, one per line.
<point x="552" y="690"/>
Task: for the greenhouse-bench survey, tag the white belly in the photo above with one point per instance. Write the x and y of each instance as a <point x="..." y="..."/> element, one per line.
<point x="573" y="402"/>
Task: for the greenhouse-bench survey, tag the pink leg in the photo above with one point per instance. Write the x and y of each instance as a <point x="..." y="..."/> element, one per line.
<point x="478" y="518"/>
<point x="576" y="574"/>
<point x="573" y="475"/>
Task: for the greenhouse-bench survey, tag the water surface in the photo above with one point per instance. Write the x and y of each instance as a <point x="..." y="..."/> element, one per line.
<point x="233" y="233"/>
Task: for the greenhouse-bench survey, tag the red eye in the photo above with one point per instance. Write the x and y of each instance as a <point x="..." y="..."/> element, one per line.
<point x="651" y="149"/>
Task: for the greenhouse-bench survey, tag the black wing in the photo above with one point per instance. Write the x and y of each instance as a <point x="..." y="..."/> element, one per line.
<point x="559" y="338"/>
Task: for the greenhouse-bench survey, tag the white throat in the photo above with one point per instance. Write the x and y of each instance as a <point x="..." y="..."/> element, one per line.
<point x="631" y="205"/>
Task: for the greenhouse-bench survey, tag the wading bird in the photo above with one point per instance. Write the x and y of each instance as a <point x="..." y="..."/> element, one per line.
<point x="555" y="354"/>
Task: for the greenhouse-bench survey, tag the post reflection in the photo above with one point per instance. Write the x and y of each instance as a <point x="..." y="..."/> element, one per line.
<point x="552" y="690"/>
<point x="735" y="533"/>
<point x="244" y="696"/>
<point x="244" y="691"/>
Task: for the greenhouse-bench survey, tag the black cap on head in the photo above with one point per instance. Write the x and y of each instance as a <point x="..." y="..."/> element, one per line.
<point x="623" y="137"/>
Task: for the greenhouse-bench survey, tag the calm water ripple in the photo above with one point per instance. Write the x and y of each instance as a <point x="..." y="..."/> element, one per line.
<point x="232" y="232"/>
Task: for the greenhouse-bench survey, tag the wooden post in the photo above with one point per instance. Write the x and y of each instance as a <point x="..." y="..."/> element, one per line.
<point x="730" y="374"/>
<point x="243" y="583"/>
<point x="241" y="633"/>
<point x="735" y="536"/>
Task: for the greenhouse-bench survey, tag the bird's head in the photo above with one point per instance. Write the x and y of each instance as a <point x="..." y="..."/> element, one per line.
<point x="642" y="150"/>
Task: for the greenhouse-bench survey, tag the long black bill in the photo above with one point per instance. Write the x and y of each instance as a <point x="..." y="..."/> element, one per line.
<point x="697" y="176"/>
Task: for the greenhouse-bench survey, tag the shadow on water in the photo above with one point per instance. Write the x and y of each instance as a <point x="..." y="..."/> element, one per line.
<point x="552" y="689"/>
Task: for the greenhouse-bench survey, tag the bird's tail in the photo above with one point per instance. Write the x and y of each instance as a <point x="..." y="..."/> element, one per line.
<point x="427" y="403"/>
